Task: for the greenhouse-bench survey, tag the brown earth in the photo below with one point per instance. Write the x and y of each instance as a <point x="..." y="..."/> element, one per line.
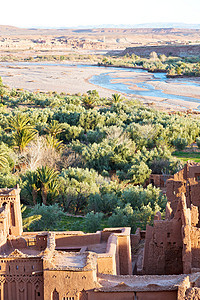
<point x="28" y="42"/>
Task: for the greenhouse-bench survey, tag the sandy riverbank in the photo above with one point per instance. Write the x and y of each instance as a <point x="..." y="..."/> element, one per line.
<point x="59" y="78"/>
<point x="74" y="79"/>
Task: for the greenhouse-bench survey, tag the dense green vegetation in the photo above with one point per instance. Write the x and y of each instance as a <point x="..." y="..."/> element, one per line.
<point x="185" y="156"/>
<point x="87" y="155"/>
<point x="173" y="66"/>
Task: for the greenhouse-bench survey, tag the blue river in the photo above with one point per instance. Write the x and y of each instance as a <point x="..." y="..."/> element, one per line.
<point x="105" y="80"/>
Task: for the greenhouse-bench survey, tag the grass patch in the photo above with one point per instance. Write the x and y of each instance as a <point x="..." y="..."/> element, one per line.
<point x="77" y="224"/>
<point x="71" y="223"/>
<point x="185" y="156"/>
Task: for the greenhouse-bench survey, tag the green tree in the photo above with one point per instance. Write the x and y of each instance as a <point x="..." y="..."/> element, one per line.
<point x="23" y="131"/>
<point x="51" y="217"/>
<point x="46" y="176"/>
<point x="116" y="98"/>
<point x="139" y="173"/>
<point x="31" y="184"/>
<point x="93" y="221"/>
<point x="54" y="128"/>
<point x="28" y="221"/>
<point x="180" y="143"/>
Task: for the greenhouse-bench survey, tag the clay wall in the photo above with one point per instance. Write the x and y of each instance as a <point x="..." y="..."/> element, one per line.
<point x="124" y="252"/>
<point x="67" y="284"/>
<point x="77" y="240"/>
<point x="195" y="246"/>
<point x="107" y="232"/>
<point x="110" y="295"/>
<point x="174" y="192"/>
<point x="158" y="180"/>
<point x="192" y="170"/>
<point x="41" y="242"/>
<point x="163" y="248"/>
<point x="108" y="263"/>
<point x="38" y="242"/>
<point x="10" y="199"/>
<point x="150" y="295"/>
<point x="193" y="194"/>
<point x="21" y="279"/>
<point x="117" y="259"/>
<point x="135" y="238"/>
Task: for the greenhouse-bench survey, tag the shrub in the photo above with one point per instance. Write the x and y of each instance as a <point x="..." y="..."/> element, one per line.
<point x="50" y="220"/>
<point x="198" y="141"/>
<point x="180" y="143"/>
<point x="93" y="221"/>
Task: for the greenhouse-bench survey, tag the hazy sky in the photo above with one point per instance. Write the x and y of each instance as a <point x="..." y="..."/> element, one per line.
<point x="71" y="13"/>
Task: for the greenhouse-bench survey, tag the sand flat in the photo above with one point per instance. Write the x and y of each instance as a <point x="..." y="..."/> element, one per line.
<point x="68" y="78"/>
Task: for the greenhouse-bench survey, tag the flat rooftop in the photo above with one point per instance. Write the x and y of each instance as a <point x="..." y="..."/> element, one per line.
<point x="63" y="260"/>
<point x="140" y="283"/>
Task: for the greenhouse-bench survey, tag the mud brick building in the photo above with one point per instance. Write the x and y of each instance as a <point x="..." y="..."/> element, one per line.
<point x="165" y="260"/>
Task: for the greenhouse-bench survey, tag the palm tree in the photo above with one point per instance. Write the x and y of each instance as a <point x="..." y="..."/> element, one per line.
<point x="29" y="220"/>
<point x="54" y="143"/>
<point x="3" y="158"/>
<point x="89" y="101"/>
<point x="32" y="185"/>
<point x="2" y="91"/>
<point x="46" y="177"/>
<point x="23" y="132"/>
<point x="54" y="128"/>
<point x="116" y="98"/>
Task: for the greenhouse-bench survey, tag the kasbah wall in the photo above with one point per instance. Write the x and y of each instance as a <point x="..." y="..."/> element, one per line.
<point x="161" y="263"/>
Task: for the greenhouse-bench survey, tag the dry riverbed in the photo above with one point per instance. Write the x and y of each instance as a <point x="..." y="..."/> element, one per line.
<point x="74" y="79"/>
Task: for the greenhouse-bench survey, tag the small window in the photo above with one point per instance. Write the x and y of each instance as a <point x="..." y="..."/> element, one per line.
<point x="197" y="176"/>
<point x="32" y="267"/>
<point x="38" y="294"/>
<point x="17" y="267"/>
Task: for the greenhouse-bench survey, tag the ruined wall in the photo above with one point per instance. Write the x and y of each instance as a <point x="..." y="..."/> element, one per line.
<point x="158" y="180"/>
<point x="163" y="248"/>
<point x="174" y="192"/>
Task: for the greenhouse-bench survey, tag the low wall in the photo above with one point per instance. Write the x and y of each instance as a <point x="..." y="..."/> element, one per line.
<point x="108" y="263"/>
<point x="149" y="295"/>
<point x="107" y="232"/>
<point x="117" y="259"/>
<point x="74" y="239"/>
<point x="135" y="238"/>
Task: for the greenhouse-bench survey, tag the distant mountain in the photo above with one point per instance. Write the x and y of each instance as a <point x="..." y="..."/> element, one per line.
<point x="167" y="25"/>
<point x="144" y="25"/>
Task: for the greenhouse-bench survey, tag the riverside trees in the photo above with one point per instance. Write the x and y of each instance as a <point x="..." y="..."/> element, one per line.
<point x="90" y="157"/>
